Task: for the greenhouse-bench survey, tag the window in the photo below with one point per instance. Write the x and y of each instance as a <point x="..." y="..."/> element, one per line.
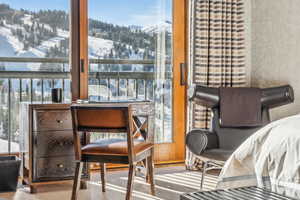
<point x="34" y="50"/>
<point x="130" y="55"/>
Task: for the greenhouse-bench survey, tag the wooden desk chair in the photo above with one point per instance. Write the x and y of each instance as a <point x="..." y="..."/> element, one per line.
<point x="113" y="118"/>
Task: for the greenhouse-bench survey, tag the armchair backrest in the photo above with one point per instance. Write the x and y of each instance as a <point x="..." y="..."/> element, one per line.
<point x="231" y="137"/>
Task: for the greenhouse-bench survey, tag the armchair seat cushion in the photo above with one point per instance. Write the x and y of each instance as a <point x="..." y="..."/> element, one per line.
<point x="217" y="154"/>
<point x="114" y="147"/>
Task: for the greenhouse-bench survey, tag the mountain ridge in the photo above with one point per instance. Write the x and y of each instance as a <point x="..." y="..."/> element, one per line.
<point x="37" y="30"/>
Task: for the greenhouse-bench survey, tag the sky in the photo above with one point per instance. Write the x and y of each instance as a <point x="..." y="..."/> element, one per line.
<point x="122" y="12"/>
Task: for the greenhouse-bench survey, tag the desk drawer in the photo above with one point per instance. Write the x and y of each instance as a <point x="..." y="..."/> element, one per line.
<point x="57" y="168"/>
<point x="52" y="120"/>
<point x="53" y="143"/>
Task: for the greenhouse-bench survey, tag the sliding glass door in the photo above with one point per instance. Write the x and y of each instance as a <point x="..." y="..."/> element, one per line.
<point x="130" y="55"/>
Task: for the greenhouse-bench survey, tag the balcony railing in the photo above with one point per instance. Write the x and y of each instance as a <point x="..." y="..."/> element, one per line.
<point x="108" y="79"/>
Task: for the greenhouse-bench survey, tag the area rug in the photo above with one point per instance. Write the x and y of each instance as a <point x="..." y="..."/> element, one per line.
<point x="169" y="186"/>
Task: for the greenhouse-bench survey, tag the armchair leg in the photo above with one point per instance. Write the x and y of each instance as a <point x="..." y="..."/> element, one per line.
<point x="76" y="184"/>
<point x="150" y="173"/>
<point x="103" y="174"/>
<point x="203" y="174"/>
<point x="130" y="181"/>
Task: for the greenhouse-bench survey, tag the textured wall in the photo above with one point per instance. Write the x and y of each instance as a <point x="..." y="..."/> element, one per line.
<point x="275" y="48"/>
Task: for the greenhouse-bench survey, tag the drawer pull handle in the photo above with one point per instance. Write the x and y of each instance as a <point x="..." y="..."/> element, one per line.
<point x="59" y="121"/>
<point x="60" y="165"/>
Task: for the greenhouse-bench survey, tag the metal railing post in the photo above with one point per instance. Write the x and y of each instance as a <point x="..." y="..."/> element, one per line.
<point x="20" y="89"/>
<point x="31" y="91"/>
<point x="42" y="89"/>
<point x="9" y="116"/>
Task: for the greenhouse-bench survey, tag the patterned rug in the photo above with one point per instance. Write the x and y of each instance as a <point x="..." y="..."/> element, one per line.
<point x="169" y="186"/>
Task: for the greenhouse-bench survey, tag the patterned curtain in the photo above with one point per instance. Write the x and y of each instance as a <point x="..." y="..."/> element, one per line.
<point x="216" y="53"/>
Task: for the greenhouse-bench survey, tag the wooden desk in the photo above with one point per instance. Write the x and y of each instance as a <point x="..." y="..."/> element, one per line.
<point x="48" y="150"/>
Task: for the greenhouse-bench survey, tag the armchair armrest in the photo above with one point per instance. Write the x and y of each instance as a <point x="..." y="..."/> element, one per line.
<point x="205" y="96"/>
<point x="277" y="96"/>
<point x="198" y="140"/>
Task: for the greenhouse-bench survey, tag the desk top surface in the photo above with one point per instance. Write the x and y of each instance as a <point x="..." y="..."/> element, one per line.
<point x="116" y="104"/>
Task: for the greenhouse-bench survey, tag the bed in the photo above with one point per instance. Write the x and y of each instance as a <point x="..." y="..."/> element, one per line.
<point x="270" y="158"/>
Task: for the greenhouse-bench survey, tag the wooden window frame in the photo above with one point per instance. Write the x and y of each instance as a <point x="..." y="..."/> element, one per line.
<point x="79" y="49"/>
<point x="175" y="152"/>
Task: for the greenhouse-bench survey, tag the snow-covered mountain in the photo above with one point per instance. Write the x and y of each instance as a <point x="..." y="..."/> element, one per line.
<point x="161" y="26"/>
<point x="45" y="34"/>
<point x="10" y="46"/>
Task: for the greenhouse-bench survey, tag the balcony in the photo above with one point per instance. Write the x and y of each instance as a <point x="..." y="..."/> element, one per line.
<point x="108" y="80"/>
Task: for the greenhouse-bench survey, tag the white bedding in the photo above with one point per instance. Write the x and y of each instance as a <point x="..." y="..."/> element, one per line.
<point x="269" y="158"/>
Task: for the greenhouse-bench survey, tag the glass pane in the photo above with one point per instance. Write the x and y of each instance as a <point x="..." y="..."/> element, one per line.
<point x="26" y="96"/>
<point x="14" y="114"/>
<point x="4" y="125"/>
<point x="34" y="50"/>
<point x="163" y="74"/>
<point x="130" y="52"/>
<point x="47" y="85"/>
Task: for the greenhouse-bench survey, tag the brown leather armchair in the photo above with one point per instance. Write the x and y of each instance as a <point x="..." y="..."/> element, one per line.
<point x="215" y="146"/>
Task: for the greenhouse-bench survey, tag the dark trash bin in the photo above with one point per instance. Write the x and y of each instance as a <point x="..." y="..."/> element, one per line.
<point x="9" y="173"/>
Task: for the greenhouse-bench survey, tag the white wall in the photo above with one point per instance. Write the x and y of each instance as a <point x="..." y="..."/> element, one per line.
<point x="275" y="48"/>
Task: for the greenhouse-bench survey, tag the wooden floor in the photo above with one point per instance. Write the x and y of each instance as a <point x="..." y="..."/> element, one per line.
<point x="170" y="183"/>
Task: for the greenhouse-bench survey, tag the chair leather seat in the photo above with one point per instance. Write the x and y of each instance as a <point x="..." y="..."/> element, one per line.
<point x="114" y="147"/>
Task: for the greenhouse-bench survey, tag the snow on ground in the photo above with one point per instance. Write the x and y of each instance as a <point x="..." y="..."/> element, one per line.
<point x="9" y="44"/>
<point x="4" y="146"/>
<point x="27" y="19"/>
<point x="63" y="33"/>
<point x="99" y="47"/>
<point x="159" y="26"/>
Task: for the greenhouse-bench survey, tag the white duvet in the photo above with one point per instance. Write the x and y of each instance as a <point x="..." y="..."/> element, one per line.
<point x="269" y="158"/>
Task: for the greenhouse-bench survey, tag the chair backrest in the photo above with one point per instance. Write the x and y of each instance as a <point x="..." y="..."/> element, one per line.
<point x="230" y="138"/>
<point x="102" y="118"/>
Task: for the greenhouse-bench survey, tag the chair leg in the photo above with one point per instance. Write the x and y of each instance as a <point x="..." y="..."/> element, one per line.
<point x="145" y="164"/>
<point x="203" y="175"/>
<point x="83" y="185"/>
<point x="103" y="174"/>
<point x="130" y="181"/>
<point x="76" y="184"/>
<point x="150" y="170"/>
